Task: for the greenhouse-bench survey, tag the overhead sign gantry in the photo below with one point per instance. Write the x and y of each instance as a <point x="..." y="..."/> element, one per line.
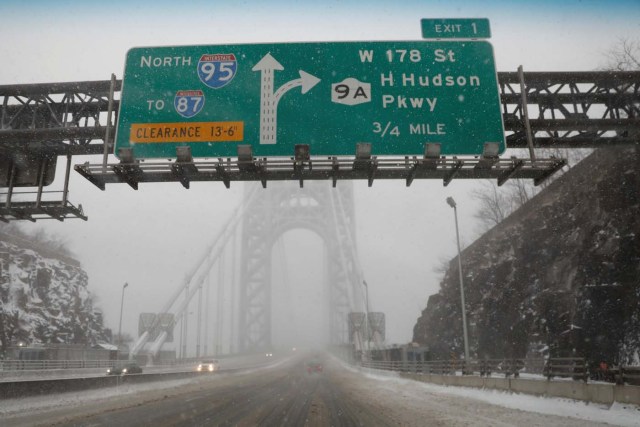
<point x="40" y="122"/>
<point x="397" y="96"/>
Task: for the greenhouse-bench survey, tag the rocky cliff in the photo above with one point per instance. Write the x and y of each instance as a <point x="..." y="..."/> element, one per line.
<point x="43" y="297"/>
<point x="560" y="276"/>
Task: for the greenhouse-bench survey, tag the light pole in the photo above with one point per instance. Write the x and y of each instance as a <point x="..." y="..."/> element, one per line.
<point x="120" y="324"/>
<point x="366" y="314"/>
<point x="452" y="203"/>
<point x="185" y="322"/>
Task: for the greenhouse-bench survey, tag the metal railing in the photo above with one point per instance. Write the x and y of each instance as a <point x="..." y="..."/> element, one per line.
<point x="630" y="375"/>
<point x="32" y="365"/>
<point x="35" y="365"/>
<point x="567" y="367"/>
<point x="485" y="367"/>
<point x="561" y="367"/>
<point x="622" y="375"/>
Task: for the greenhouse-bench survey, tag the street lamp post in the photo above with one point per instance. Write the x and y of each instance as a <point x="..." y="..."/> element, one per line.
<point x="120" y="324"/>
<point x="452" y="203"/>
<point x="185" y="323"/>
<point x="366" y="315"/>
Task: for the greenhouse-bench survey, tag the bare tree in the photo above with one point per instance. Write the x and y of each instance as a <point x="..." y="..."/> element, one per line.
<point x="495" y="204"/>
<point x="624" y="56"/>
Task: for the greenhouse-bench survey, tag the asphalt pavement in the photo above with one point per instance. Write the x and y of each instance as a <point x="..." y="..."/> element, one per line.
<point x="284" y="395"/>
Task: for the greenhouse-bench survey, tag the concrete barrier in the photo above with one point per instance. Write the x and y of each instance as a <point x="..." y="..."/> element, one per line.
<point x="471" y="381"/>
<point x="597" y="393"/>
<point x="461" y="381"/>
<point x="22" y="386"/>
<point x="535" y="387"/>
<point x="497" y="383"/>
<point x="18" y="375"/>
<point x="602" y="393"/>
<point x="18" y="389"/>
<point x="627" y="394"/>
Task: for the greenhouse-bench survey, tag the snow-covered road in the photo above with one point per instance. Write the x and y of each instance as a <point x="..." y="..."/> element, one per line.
<point x="382" y="397"/>
<point x="471" y="406"/>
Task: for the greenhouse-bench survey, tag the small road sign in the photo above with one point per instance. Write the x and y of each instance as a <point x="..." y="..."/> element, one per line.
<point x="397" y="96"/>
<point x="477" y="28"/>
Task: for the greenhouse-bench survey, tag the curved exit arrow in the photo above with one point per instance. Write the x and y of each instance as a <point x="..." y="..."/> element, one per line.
<point x="269" y="100"/>
<point x="306" y="80"/>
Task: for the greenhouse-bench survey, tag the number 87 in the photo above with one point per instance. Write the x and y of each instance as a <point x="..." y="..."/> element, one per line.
<point x="183" y="103"/>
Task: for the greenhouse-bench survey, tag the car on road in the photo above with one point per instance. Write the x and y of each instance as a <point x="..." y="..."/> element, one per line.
<point x="126" y="369"/>
<point x="314" y="366"/>
<point x="208" y="366"/>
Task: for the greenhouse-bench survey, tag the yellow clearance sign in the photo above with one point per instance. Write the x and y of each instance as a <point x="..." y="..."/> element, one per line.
<point x="187" y="132"/>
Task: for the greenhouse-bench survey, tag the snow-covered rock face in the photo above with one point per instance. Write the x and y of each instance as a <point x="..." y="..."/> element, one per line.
<point x="44" y="300"/>
<point x="561" y="273"/>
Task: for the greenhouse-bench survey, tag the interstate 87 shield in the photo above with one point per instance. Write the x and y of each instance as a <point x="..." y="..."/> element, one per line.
<point x="398" y="96"/>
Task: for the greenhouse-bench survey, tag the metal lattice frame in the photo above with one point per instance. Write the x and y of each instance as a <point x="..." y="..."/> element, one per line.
<point x="56" y="118"/>
<point x="574" y="110"/>
<point x="38" y="123"/>
<point x="326" y="211"/>
<point x="565" y="110"/>
<point x="70" y="118"/>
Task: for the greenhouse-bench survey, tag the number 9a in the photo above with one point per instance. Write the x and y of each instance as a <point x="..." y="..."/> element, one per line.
<point x="342" y="90"/>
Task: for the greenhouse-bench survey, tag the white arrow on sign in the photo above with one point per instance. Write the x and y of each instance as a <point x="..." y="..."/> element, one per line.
<point x="269" y="100"/>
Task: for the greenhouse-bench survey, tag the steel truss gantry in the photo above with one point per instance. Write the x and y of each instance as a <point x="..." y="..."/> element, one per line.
<point x="268" y="215"/>
<point x="40" y="122"/>
<point x="571" y="109"/>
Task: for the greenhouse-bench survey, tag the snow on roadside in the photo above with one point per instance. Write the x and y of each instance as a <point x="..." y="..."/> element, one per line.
<point x="617" y="414"/>
<point x="69" y="399"/>
<point x="74" y="398"/>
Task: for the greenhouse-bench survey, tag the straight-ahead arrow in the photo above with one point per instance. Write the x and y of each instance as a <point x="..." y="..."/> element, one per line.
<point x="269" y="100"/>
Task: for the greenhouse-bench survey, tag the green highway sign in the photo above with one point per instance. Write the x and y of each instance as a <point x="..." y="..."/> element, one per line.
<point x="397" y="95"/>
<point x="477" y="28"/>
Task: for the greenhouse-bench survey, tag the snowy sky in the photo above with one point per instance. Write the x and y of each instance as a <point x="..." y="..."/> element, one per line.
<point x="151" y="237"/>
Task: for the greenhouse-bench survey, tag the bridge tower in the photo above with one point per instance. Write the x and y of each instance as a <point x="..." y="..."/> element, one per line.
<point x="284" y="206"/>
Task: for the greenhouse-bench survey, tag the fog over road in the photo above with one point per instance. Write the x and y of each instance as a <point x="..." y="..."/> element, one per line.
<point x="283" y="395"/>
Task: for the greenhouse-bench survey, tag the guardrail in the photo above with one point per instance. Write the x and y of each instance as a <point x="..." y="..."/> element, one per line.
<point x="19" y="389"/>
<point x="507" y="367"/>
<point x="624" y="375"/>
<point x="38" y="365"/>
<point x="478" y="374"/>
<point x="561" y="367"/>
<point x="567" y="367"/>
<point x="41" y="386"/>
<point x="29" y="365"/>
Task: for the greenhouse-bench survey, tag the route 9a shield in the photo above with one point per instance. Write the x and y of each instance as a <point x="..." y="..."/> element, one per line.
<point x="188" y="103"/>
<point x="217" y="70"/>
